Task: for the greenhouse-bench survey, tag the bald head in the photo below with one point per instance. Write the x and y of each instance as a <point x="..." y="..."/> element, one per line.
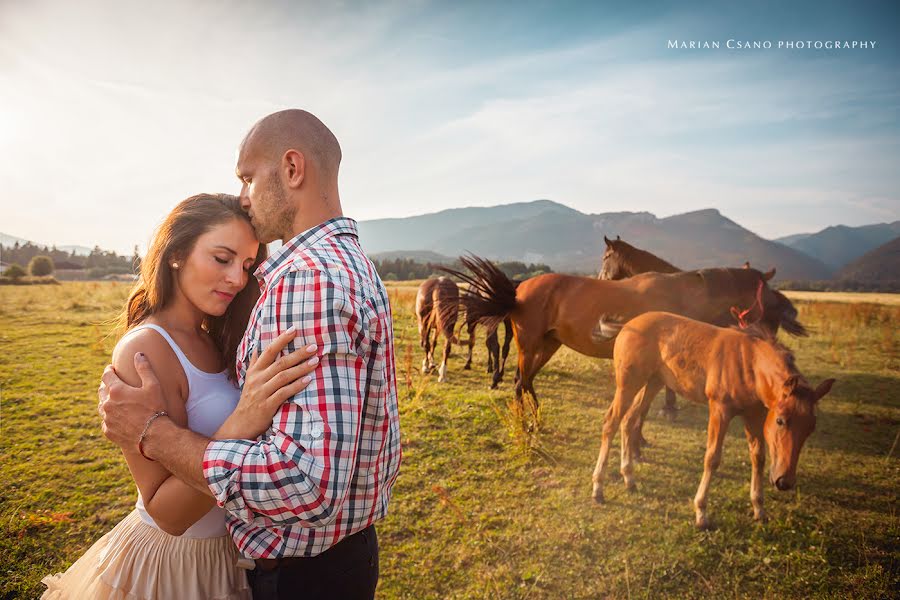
<point x="298" y="130"/>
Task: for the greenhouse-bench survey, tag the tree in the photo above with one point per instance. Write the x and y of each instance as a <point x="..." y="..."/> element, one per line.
<point x="14" y="271"/>
<point x="40" y="266"/>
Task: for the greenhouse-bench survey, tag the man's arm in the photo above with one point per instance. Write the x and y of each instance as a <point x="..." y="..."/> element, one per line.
<point x="300" y="471"/>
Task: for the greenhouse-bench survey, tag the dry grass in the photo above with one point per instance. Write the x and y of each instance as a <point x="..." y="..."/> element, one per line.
<point x="475" y="516"/>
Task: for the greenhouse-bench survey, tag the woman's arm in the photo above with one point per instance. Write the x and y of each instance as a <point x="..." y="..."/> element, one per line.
<point x="269" y="381"/>
<point x="173" y="505"/>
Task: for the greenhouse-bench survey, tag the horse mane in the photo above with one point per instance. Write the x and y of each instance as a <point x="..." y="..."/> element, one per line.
<point x="759" y="332"/>
<point x="647" y="260"/>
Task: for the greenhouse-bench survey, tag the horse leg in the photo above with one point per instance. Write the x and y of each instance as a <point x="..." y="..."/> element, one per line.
<point x="620" y="405"/>
<point x="507" y="338"/>
<point x="670" y="409"/>
<point x="442" y="372"/>
<point x="471" y="331"/>
<point x="753" y="427"/>
<point x="715" y="436"/>
<point x="547" y="350"/>
<point x="427" y="362"/>
<point x="632" y="428"/>
<point x="493" y="348"/>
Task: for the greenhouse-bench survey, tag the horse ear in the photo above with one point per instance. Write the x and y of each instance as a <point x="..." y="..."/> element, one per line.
<point x="618" y="238"/>
<point x="608" y="243"/>
<point x="824" y="388"/>
<point x="769" y="274"/>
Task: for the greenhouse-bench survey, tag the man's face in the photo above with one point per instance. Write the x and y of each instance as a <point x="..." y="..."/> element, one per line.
<point x="262" y="195"/>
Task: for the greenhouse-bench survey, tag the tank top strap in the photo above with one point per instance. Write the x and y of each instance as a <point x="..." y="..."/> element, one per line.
<point x="188" y="367"/>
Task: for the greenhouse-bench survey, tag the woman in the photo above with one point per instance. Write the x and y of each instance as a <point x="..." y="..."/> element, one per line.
<point x="187" y="315"/>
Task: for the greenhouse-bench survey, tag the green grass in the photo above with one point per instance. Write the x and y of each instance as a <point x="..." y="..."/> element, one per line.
<point x="478" y="514"/>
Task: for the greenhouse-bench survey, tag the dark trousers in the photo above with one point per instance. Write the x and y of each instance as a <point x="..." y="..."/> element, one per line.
<point x="346" y="571"/>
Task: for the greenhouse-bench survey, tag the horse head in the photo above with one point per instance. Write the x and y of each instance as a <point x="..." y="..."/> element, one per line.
<point x="615" y="264"/>
<point x="790" y="421"/>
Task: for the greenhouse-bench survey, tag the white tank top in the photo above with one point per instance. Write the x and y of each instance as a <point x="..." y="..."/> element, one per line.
<point x="211" y="398"/>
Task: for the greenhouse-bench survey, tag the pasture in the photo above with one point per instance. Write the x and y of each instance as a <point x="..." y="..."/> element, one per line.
<point x="483" y="509"/>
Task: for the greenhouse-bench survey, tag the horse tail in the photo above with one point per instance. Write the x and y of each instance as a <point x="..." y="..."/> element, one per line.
<point x="446" y="308"/>
<point x="491" y="295"/>
<point x="606" y="329"/>
<point x="786" y="313"/>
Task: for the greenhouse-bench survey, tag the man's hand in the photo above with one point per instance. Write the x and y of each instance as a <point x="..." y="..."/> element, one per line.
<point x="125" y="409"/>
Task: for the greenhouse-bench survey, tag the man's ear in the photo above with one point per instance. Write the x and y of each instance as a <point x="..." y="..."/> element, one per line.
<point x="294" y="168"/>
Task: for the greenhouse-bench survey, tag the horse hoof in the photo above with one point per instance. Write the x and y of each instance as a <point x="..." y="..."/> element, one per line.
<point x="598" y="497"/>
<point x="467" y="367"/>
<point x="631" y="488"/>
<point x="703" y="524"/>
<point x="762" y="518"/>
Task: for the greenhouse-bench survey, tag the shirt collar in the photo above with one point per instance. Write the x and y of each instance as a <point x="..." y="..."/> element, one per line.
<point x="306" y="239"/>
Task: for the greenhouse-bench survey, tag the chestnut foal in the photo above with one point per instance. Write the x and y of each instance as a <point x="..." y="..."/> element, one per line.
<point x="735" y="372"/>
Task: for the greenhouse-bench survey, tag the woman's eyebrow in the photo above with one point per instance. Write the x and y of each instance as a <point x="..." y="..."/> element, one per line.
<point x="227" y="248"/>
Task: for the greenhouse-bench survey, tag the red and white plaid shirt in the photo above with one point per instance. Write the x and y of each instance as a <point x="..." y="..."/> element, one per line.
<point x="325" y="468"/>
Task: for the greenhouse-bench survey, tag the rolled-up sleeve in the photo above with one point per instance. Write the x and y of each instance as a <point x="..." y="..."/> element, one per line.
<point x="300" y="471"/>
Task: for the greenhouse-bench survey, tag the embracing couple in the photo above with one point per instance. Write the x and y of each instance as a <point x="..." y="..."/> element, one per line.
<point x="254" y="397"/>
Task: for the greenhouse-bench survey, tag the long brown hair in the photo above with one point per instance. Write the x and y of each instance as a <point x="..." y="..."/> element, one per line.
<point x="174" y="240"/>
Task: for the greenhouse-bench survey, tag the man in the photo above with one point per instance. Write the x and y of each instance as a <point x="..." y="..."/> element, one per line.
<point x="302" y="499"/>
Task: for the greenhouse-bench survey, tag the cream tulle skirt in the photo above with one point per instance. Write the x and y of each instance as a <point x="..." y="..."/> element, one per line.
<point x="135" y="561"/>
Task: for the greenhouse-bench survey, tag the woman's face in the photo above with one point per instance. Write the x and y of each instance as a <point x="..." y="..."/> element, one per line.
<point x="218" y="266"/>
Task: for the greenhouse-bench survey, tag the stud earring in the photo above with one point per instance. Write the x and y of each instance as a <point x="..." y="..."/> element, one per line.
<point x="174" y="265"/>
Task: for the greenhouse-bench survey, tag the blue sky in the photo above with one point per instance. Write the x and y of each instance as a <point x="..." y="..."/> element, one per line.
<point x="112" y="112"/>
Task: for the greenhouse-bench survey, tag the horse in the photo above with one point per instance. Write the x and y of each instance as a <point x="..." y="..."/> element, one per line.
<point x="736" y="372"/>
<point x="552" y="310"/>
<point x="437" y="309"/>
<point x="622" y="260"/>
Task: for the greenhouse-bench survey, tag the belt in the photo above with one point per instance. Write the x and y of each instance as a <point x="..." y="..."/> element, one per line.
<point x="270" y="564"/>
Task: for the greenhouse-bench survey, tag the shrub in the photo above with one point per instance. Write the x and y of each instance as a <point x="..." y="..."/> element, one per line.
<point x="14" y="271"/>
<point x="40" y="266"/>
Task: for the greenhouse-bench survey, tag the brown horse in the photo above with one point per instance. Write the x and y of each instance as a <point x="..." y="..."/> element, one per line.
<point x="550" y="310"/>
<point x="622" y="260"/>
<point x="437" y="308"/>
<point x="735" y="372"/>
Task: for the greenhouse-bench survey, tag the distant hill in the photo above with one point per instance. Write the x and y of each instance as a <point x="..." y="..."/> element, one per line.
<point x="421" y="256"/>
<point x="569" y="240"/>
<point x="881" y="265"/>
<point x="839" y="245"/>
<point x="11" y="240"/>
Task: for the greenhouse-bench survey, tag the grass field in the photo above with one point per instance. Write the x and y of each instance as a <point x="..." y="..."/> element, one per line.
<point x="478" y="514"/>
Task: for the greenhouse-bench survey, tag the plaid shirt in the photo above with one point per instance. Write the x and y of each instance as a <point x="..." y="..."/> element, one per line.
<point x="325" y="468"/>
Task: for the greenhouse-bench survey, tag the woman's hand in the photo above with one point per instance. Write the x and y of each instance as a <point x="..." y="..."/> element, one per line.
<point x="271" y="379"/>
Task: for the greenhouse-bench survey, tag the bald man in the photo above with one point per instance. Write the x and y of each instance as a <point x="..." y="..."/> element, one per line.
<point x="303" y="498"/>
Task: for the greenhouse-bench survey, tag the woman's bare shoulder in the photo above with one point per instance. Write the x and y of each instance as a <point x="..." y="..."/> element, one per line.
<point x="159" y="353"/>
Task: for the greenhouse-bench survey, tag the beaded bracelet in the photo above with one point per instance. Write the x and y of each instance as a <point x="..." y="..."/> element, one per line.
<point x="152" y="418"/>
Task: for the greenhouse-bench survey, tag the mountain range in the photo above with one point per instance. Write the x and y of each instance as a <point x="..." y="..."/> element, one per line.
<point x="547" y="232"/>
<point x="569" y="240"/>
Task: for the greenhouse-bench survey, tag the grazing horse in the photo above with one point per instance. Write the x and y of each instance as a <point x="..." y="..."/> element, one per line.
<point x="736" y="372"/>
<point x="550" y="310"/>
<point x="437" y="308"/>
<point x="622" y="260"/>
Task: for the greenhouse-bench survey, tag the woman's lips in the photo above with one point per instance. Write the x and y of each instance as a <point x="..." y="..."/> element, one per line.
<point x="224" y="295"/>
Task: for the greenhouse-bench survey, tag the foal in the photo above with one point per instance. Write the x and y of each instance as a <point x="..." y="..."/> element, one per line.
<point x="735" y="372"/>
<point x="437" y="309"/>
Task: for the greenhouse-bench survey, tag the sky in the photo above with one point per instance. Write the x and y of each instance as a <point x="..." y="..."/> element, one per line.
<point x="113" y="111"/>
